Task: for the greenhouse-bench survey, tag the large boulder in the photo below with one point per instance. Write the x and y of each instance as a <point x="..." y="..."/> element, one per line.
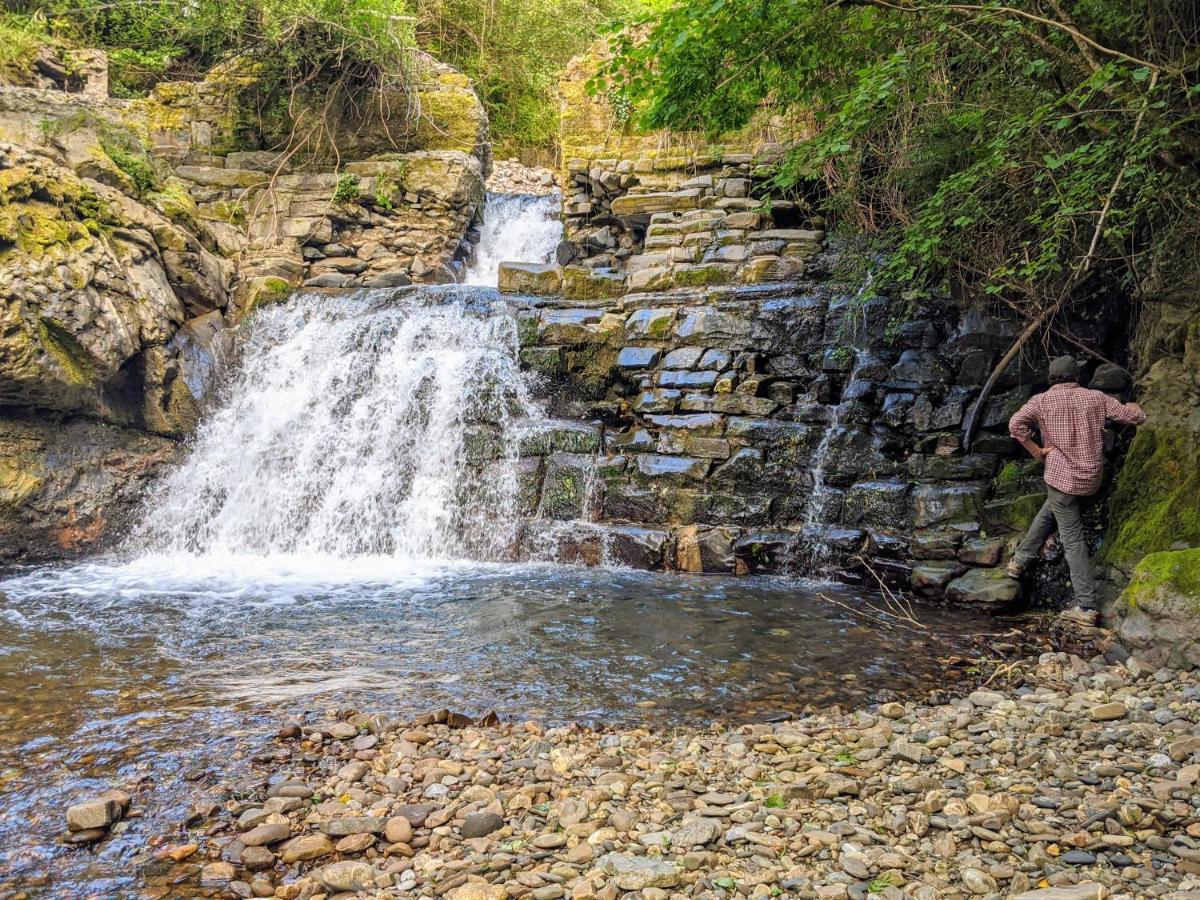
<point x="67" y="486"/>
<point x="1158" y="614"/>
<point x="94" y="280"/>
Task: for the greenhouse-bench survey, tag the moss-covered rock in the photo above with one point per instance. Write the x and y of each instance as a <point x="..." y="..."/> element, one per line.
<point x="1159" y="612"/>
<point x="93" y="279"/>
<point x="1155" y="502"/>
<point x="529" y="278"/>
<point x="582" y="284"/>
<point x="451" y="118"/>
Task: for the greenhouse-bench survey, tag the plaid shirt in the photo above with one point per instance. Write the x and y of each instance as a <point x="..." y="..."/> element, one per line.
<point x="1071" y="419"/>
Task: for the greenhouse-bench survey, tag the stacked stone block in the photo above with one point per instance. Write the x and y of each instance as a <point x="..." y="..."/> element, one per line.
<point x="780" y="427"/>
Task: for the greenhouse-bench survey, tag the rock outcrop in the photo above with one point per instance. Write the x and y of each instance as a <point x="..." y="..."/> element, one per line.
<point x="1160" y="609"/>
<point x="135" y="234"/>
<point x="1154" y="519"/>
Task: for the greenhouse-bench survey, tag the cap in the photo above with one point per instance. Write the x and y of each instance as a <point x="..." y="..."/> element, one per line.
<point x="1064" y="368"/>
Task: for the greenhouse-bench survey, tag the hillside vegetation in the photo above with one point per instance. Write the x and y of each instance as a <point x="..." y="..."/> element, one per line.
<point x="514" y="50"/>
<point x="1033" y="151"/>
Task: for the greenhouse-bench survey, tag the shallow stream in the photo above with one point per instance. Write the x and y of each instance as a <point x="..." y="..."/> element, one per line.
<point x="334" y="538"/>
<point x="165" y="670"/>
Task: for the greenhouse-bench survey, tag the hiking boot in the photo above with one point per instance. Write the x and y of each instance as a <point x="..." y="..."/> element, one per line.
<point x="1014" y="569"/>
<point x="1077" y="615"/>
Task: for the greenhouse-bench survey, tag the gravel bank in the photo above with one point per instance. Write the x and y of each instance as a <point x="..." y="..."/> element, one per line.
<point x="1077" y="781"/>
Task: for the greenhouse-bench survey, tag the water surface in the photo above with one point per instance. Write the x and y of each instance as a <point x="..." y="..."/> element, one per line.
<point x="168" y="670"/>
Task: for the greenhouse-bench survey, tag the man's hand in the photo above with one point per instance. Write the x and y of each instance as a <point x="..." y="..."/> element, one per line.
<point x="1135" y="408"/>
<point x="1038" y="453"/>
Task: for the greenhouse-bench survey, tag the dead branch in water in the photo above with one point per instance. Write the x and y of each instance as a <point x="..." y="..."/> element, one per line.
<point x="894" y="611"/>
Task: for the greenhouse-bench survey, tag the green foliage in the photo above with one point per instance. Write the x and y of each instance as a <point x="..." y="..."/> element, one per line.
<point x="515" y="50"/>
<point x="775" y="801"/>
<point x="20" y="36"/>
<point x="130" y="157"/>
<point x="994" y="154"/>
<point x="342" y="51"/>
<point x="347" y="188"/>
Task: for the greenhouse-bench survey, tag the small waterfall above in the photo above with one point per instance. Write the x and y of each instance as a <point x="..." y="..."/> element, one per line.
<point x="516" y="228"/>
<point x="366" y="424"/>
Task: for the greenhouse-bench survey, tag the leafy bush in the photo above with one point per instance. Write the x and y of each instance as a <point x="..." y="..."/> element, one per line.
<point x="515" y="51"/>
<point x="347" y="188"/>
<point x="20" y="36"/>
<point x="1024" y="152"/>
<point x="342" y="51"/>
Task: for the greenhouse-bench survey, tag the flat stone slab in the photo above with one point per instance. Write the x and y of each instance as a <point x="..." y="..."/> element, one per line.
<point x="1087" y="891"/>
<point x="539" y="279"/>
<point x="984" y="587"/>
<point x="661" y="201"/>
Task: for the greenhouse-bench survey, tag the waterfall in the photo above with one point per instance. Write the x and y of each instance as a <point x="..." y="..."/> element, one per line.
<point x="374" y="423"/>
<point x="516" y="228"/>
<point x="816" y="509"/>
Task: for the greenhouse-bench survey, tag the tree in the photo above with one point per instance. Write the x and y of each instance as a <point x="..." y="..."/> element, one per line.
<point x="1025" y="151"/>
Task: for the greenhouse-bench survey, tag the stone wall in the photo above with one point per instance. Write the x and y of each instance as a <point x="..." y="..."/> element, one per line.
<point x="615" y="177"/>
<point x="385" y="221"/>
<point x="790" y="426"/>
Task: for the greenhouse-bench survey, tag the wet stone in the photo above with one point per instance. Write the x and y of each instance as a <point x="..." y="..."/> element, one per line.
<point x="270" y="833"/>
<point x="306" y="847"/>
<point x="984" y="587"/>
<point x="354" y="843"/>
<point x="257" y="858"/>
<point x="290" y="789"/>
<point x="92" y="815"/>
<point x="349" y="875"/>
<point x="217" y="875"/>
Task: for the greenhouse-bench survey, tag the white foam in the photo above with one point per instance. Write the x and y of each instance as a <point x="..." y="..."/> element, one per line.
<point x="516" y="228"/>
<point x="353" y="430"/>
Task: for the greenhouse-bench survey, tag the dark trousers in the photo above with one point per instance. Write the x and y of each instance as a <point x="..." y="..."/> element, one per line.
<point x="1065" y="510"/>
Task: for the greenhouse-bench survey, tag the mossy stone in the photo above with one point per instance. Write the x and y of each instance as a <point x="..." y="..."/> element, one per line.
<point x="1153" y="505"/>
<point x="451" y="119"/>
<point x="1172" y="571"/>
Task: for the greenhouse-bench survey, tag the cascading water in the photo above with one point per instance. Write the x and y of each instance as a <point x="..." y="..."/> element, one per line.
<point x="817" y="508"/>
<point x="516" y="228"/>
<point x="368" y="424"/>
<point x="325" y="546"/>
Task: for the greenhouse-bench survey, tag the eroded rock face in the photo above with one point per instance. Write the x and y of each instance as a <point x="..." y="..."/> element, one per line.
<point x="95" y="284"/>
<point x="66" y="484"/>
<point x="131" y="240"/>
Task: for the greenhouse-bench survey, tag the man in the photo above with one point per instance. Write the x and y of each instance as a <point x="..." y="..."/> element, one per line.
<point x="1071" y="421"/>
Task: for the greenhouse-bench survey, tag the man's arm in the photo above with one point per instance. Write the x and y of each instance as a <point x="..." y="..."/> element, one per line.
<point x="1020" y="428"/>
<point x="1124" y="413"/>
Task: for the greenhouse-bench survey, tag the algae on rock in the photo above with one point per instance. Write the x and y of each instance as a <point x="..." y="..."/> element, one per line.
<point x="1159" y="612"/>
